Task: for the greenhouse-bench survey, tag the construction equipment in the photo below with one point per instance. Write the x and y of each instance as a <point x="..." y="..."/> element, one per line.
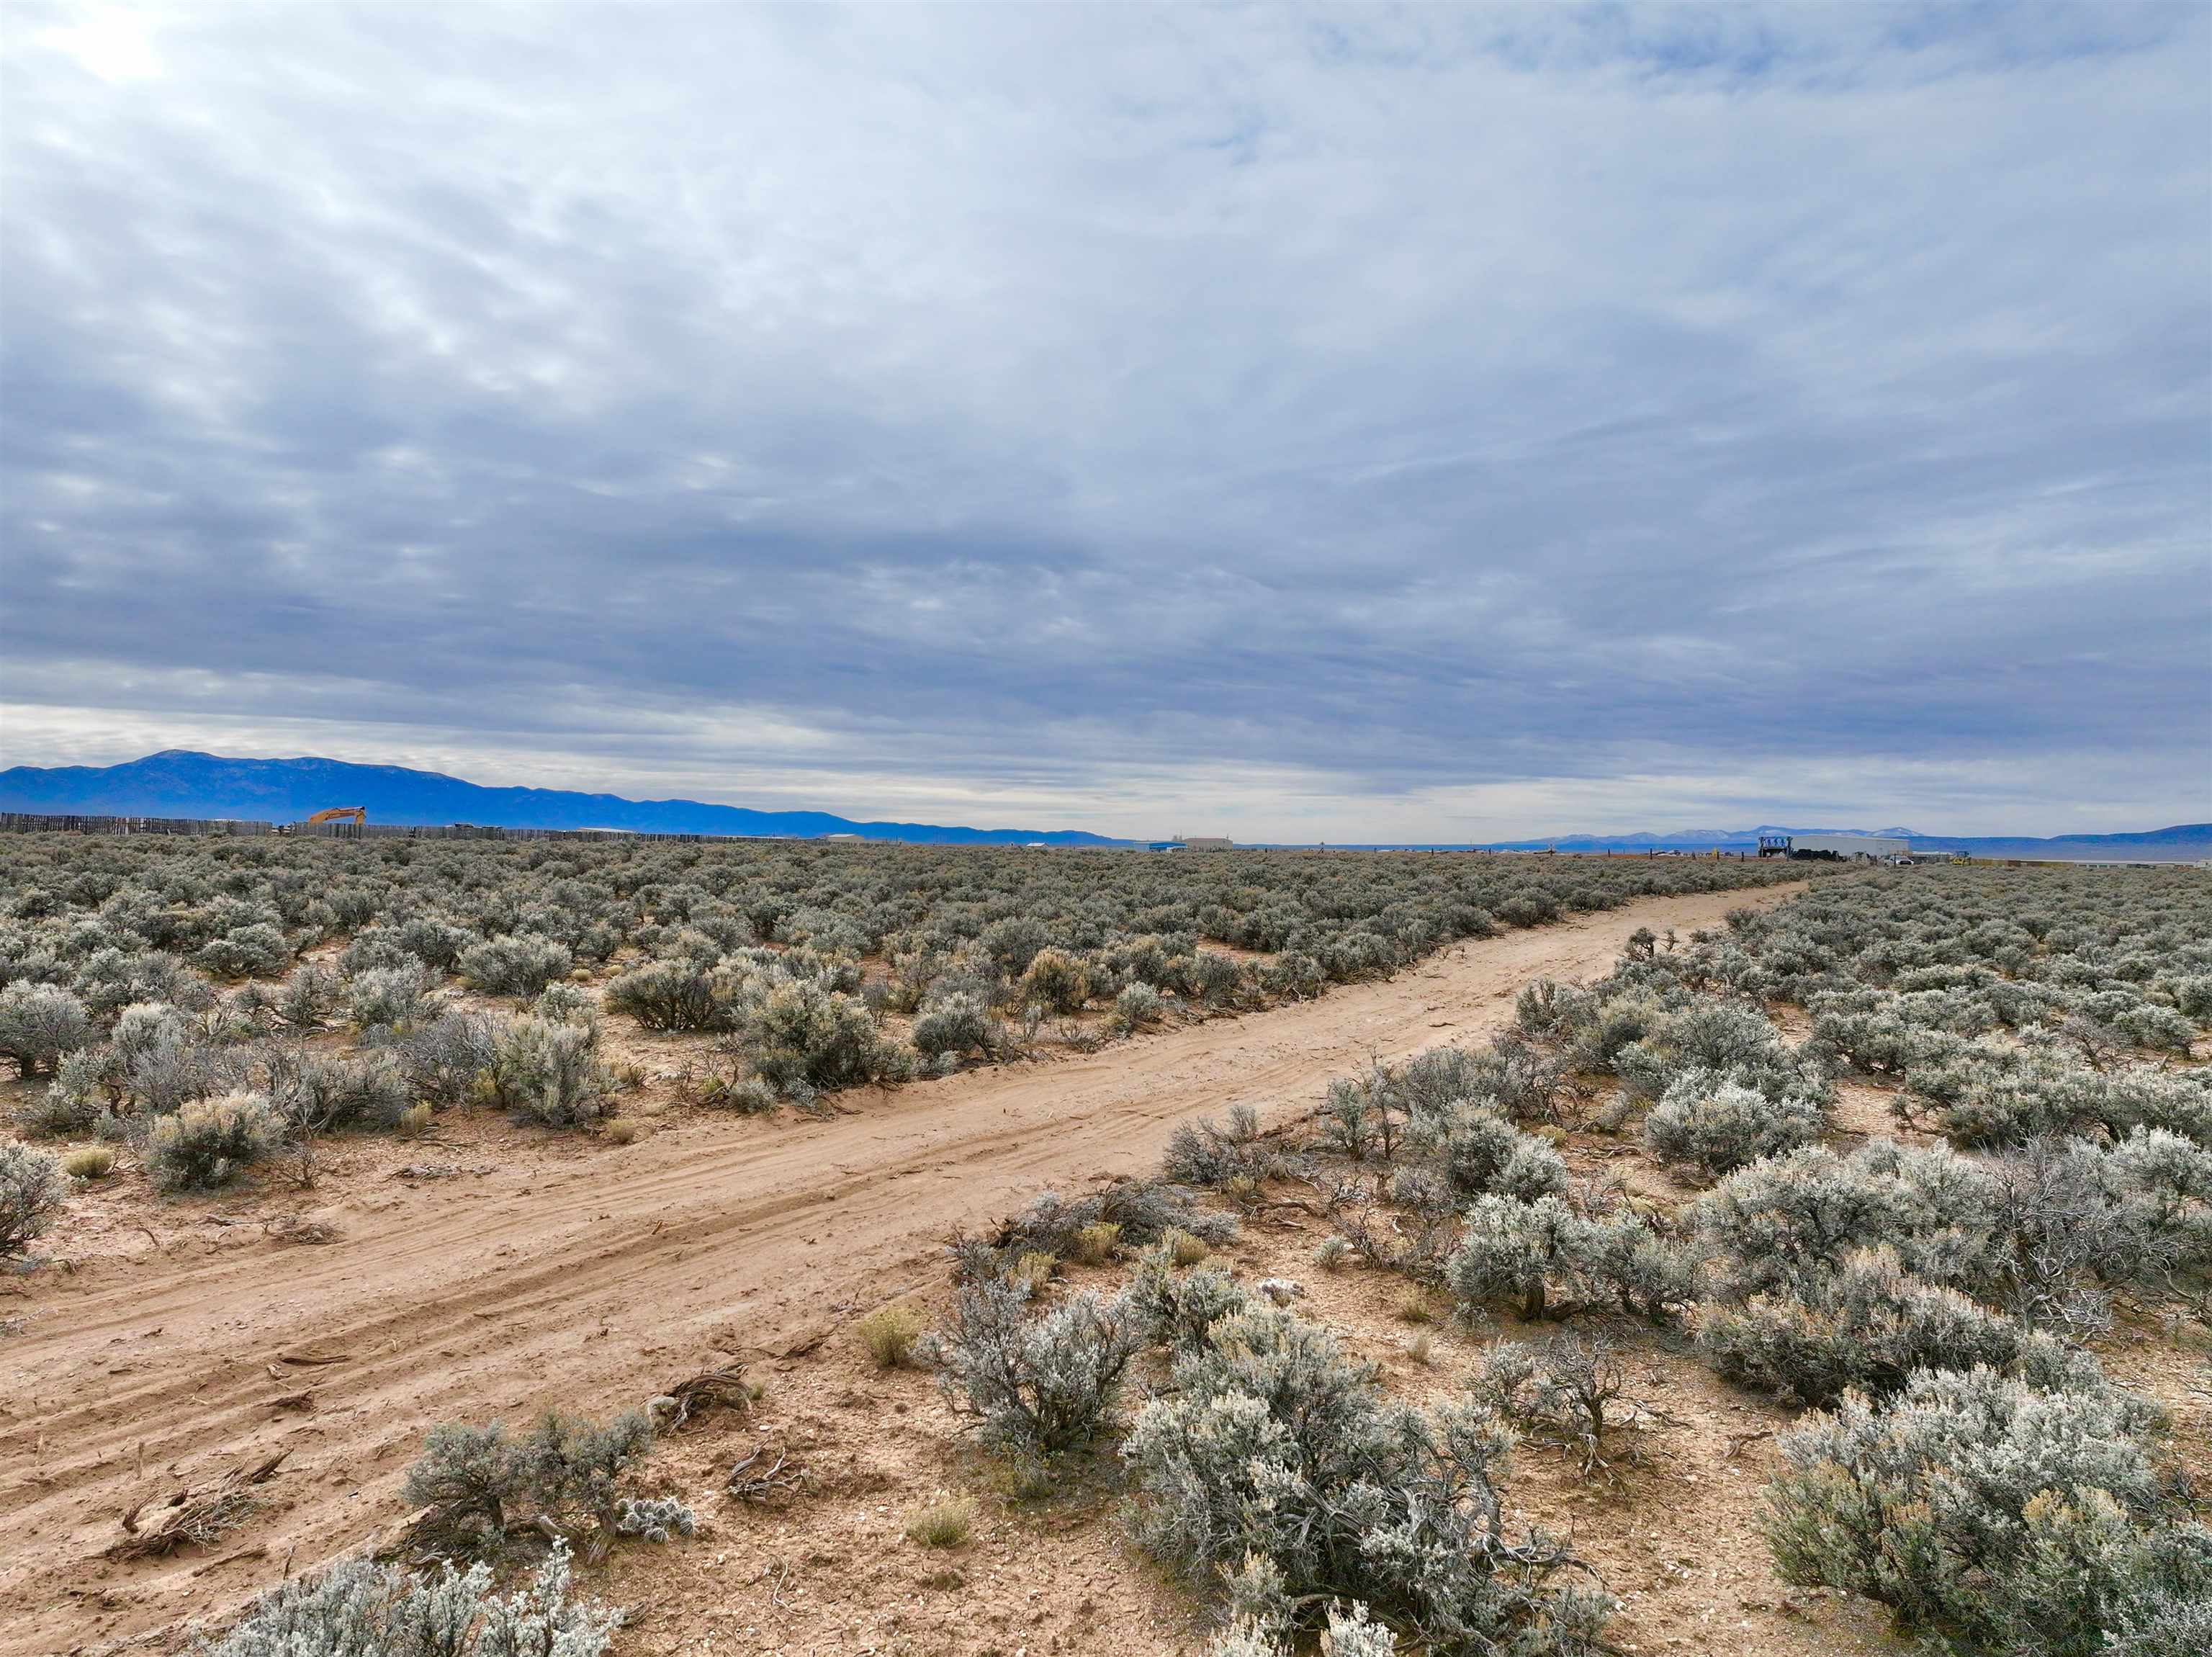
<point x="341" y="814"/>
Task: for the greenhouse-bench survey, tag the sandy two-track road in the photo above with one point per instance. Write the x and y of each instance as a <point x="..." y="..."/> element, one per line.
<point x="591" y="1281"/>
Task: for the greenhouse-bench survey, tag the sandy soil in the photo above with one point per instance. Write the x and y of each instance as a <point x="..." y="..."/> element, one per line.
<point x="590" y="1275"/>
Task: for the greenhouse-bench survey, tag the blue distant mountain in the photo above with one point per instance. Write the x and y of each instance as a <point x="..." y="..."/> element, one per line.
<point x="2183" y="842"/>
<point x="178" y="784"/>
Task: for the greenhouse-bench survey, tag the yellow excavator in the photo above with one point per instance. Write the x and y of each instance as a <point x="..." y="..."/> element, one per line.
<point x="340" y="814"/>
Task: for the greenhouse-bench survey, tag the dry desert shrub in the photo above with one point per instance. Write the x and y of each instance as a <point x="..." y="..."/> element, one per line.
<point x="482" y="1483"/>
<point x="888" y="1334"/>
<point x="361" y="1606"/>
<point x="31" y="1195"/>
<point x="206" y="1145"/>
<point x="38" y="1023"/>
<point x="1273" y="1462"/>
<point x="518" y="964"/>
<point x="1144" y="1210"/>
<point x="1040" y="1383"/>
<point x="1994" y="1515"/>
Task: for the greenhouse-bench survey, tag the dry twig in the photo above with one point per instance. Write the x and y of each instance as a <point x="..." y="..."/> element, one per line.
<point x="290" y="1228"/>
<point x="751" y="1481"/>
<point x="726" y="1388"/>
<point x="188" y="1518"/>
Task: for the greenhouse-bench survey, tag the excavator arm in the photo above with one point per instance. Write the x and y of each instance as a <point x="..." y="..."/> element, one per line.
<point x="341" y="814"/>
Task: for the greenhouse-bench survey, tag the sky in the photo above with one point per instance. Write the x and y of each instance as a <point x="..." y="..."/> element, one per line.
<point x="1359" y="423"/>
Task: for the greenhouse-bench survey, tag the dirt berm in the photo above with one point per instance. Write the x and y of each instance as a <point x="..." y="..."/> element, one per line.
<point x="592" y="1279"/>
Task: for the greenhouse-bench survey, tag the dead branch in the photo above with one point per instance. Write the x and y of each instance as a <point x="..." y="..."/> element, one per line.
<point x="726" y="1388"/>
<point x="756" y="1479"/>
<point x="189" y="1519"/>
<point x="290" y="1228"/>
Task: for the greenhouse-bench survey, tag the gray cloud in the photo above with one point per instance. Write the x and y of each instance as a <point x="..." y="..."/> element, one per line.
<point x="1422" y="422"/>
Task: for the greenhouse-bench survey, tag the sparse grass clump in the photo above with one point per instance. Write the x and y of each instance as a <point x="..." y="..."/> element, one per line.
<point x="1095" y="1245"/>
<point x="888" y="1334"/>
<point x="1184" y="1248"/>
<point x="944" y="1524"/>
<point x="89" y="1162"/>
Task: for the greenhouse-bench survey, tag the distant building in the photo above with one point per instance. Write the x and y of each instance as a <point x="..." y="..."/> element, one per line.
<point x="1839" y="848"/>
<point x="1200" y="843"/>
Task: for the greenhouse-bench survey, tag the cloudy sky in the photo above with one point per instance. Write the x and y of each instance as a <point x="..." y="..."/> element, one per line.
<point x="1354" y="423"/>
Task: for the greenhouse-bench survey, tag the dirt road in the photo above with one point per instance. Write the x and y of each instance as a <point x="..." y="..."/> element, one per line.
<point x="592" y="1277"/>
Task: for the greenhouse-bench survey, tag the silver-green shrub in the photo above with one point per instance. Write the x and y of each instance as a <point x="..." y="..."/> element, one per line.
<point x="447" y="1057"/>
<point x="309" y="995"/>
<point x="1707" y="1118"/>
<point x="364" y="1608"/>
<point x="208" y="1143"/>
<point x="1041" y="1383"/>
<point x="1866" y="1324"/>
<point x="519" y="965"/>
<point x="1980" y="1507"/>
<point x="1273" y="1460"/>
<point x="550" y="1073"/>
<point x="669" y="995"/>
<point x="38" y="1023"/>
<point x="955" y="1024"/>
<point x="390" y="998"/>
<point x="319" y="1093"/>
<point x="31" y="1192"/>
<point x="483" y="1482"/>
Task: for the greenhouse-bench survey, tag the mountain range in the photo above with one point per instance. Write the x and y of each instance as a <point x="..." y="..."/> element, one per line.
<point x="177" y="783"/>
<point x="2182" y="843"/>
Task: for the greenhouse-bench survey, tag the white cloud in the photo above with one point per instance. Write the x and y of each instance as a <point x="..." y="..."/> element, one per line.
<point x="1410" y="418"/>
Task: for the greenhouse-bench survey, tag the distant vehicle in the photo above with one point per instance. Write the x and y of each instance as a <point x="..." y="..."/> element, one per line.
<point x="1835" y="848"/>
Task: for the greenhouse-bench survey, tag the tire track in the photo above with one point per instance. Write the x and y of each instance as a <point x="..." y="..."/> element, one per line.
<point x="572" y="1289"/>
